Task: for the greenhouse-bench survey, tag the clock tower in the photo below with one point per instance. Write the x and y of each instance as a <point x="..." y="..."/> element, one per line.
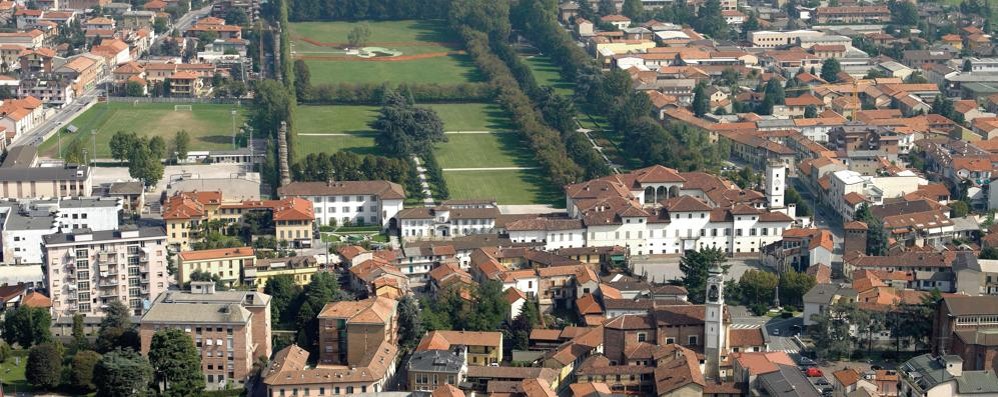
<point x="714" y="322"/>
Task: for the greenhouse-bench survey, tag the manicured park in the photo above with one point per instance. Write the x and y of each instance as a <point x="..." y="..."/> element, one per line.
<point x="481" y="136"/>
<point x="548" y="74"/>
<point x="209" y="125"/>
<point x="429" y="53"/>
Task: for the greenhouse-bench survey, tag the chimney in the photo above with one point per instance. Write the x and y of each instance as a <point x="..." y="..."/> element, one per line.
<point x="953" y="364"/>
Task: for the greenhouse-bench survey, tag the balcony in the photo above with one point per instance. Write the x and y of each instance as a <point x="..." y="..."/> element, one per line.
<point x="109" y="283"/>
<point x="108" y="294"/>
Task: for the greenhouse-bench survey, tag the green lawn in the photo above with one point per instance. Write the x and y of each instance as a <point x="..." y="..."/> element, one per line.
<point x="548" y="74"/>
<point x="412" y="37"/>
<point x="449" y="69"/>
<point x="507" y="187"/>
<point x="340" y="119"/>
<point x="13" y="375"/>
<point x="313" y="41"/>
<point x="472" y="116"/>
<point x="483" y="150"/>
<point x="359" y="144"/>
<point x="210" y="126"/>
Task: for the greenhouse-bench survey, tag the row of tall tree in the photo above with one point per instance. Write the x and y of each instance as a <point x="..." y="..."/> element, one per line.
<point x="347" y="166"/>
<point x="545" y="142"/>
<point x="352" y="10"/>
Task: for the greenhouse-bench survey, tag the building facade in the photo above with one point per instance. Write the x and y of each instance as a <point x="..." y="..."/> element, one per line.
<point x="87" y="270"/>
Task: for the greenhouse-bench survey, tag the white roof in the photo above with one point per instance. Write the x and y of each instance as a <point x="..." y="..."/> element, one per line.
<point x="849" y="177"/>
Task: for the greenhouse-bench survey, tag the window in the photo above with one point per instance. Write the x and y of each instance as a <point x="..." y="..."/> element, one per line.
<point x="642" y="336"/>
<point x="693" y="340"/>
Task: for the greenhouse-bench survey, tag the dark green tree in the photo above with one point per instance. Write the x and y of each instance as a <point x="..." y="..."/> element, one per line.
<point x="81" y="375"/>
<point x="303" y="80"/>
<point x="135" y="89"/>
<point x="157" y="147"/>
<point x="283" y="291"/>
<point x="758" y="287"/>
<point x="830" y="69"/>
<point x="810" y="112"/>
<point x="410" y="323"/>
<point x="181" y="144"/>
<point x="116" y="328"/>
<point x="27" y="326"/>
<point x="695" y="266"/>
<point x="903" y="13"/>
<point x="44" y="366"/>
<point x="710" y="21"/>
<point x="122" y="373"/>
<point x="490" y="308"/>
<point x="606" y="7"/>
<point x="750" y="25"/>
<point x="830" y="331"/>
<point x="700" y="101"/>
<point x="176" y="363"/>
<point x="632" y="9"/>
<point x="793" y="286"/>
<point x="404" y="129"/>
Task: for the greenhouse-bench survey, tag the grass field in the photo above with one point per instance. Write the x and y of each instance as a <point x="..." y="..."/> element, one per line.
<point x="353" y="120"/>
<point x="432" y="36"/>
<point x="13" y="374"/>
<point x="507" y="187"/>
<point x="314" y="40"/>
<point x="483" y="150"/>
<point x="210" y="126"/>
<point x="340" y="119"/>
<point x="548" y="74"/>
<point x="442" y="70"/>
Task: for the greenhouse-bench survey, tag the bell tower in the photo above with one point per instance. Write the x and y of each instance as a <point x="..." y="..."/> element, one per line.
<point x="714" y="323"/>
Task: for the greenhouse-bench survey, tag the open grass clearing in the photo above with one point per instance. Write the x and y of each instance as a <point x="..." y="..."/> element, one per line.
<point x="507" y="187"/>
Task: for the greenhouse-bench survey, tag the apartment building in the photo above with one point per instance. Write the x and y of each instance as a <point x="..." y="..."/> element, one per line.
<point x="853" y="14"/>
<point x="772" y="39"/>
<point x="226" y="263"/>
<point x="451" y="218"/>
<point x="944" y="375"/>
<point x="300" y="268"/>
<point x="43" y="182"/>
<point x="356" y="202"/>
<point x="481" y="348"/>
<point x="86" y="270"/>
<point x="348" y="330"/>
<point x="26" y="222"/>
<point x="186" y="212"/>
<point x="230" y="329"/>
<point x="657" y="210"/>
<point x="357" y="353"/>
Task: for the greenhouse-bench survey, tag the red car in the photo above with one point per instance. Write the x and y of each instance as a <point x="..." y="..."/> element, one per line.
<point x="813" y="372"/>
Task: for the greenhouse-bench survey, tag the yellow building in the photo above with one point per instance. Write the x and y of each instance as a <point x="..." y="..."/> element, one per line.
<point x="184" y="213"/>
<point x="484" y="348"/>
<point x="187" y="213"/>
<point x="300" y="268"/>
<point x="227" y="263"/>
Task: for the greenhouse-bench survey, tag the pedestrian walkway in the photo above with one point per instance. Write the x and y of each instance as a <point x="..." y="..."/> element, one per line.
<point x="745" y="326"/>
<point x="427" y="193"/>
<point x="599" y="149"/>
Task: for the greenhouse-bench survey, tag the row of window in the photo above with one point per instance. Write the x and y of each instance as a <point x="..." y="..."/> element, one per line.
<point x="332" y="210"/>
<point x="345" y="199"/>
<point x="322" y="391"/>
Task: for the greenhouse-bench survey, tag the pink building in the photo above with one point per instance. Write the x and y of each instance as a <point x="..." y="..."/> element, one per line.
<point x="87" y="270"/>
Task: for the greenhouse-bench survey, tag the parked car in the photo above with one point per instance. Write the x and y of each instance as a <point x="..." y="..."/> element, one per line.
<point x="822" y="382"/>
<point x="813" y="372"/>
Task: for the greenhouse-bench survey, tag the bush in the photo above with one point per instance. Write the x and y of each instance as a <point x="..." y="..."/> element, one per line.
<point x="758" y="309"/>
<point x="5" y="351"/>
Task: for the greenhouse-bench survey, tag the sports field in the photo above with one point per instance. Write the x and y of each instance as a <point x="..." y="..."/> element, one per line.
<point x="429" y="53"/>
<point x="209" y="125"/>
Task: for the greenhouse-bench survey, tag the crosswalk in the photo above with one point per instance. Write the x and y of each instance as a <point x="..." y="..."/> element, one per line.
<point x="745" y="326"/>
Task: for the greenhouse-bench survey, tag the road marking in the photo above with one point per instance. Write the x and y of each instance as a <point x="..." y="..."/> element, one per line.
<point x="745" y="326"/>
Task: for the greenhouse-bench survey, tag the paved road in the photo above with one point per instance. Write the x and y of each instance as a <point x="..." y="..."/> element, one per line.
<point x="185" y="22"/>
<point x="62" y="117"/>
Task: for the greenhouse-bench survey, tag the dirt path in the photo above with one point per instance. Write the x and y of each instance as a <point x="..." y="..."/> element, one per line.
<point x="379" y="59"/>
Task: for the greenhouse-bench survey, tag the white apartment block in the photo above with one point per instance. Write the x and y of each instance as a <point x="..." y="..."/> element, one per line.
<point x="451" y="218"/>
<point x="849" y="189"/>
<point x="24" y="222"/>
<point x="657" y="210"/>
<point x="88" y="270"/>
<point x="772" y="39"/>
<point x="355" y="202"/>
